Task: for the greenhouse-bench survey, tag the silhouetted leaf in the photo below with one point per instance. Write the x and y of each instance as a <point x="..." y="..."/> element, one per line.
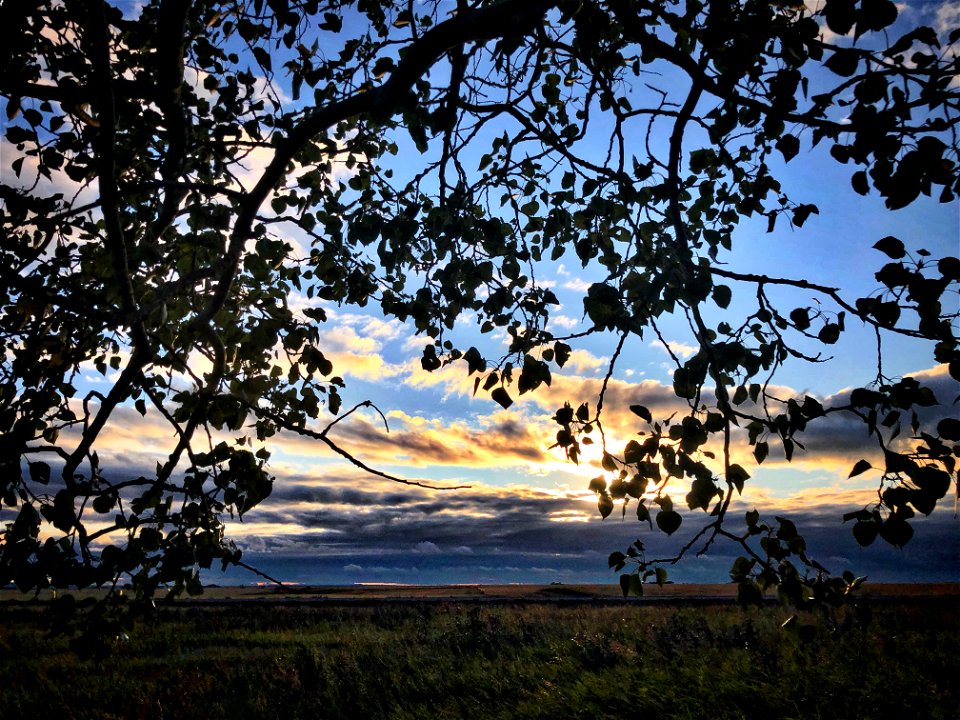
<point x="789" y="146"/>
<point x="895" y="531"/>
<point x="840" y="15"/>
<point x="641" y="412"/>
<point x="501" y="397"/>
<point x="891" y="247"/>
<point x="40" y="472"/>
<point x="760" y="451"/>
<point x="843" y="62"/>
<point x="860" y="467"/>
<point x="949" y="429"/>
<point x="669" y="521"/>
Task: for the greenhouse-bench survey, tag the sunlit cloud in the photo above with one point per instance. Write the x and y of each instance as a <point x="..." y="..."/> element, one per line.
<point x="564" y="321"/>
<point x="577" y="285"/>
<point x="947" y="17"/>
<point x="583" y="361"/>
<point x="680" y="349"/>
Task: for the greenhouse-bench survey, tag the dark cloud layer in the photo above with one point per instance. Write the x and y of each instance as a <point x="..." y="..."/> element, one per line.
<point x="517" y="528"/>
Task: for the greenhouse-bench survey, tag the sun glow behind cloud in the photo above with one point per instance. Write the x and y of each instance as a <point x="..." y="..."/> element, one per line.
<point x="523" y="497"/>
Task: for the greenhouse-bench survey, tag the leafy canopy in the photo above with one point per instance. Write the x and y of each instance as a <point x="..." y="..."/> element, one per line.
<point x="156" y="165"/>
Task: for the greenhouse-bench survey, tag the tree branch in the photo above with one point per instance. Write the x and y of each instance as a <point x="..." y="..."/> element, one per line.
<point x="508" y="18"/>
<point x="830" y="292"/>
<point x="322" y="437"/>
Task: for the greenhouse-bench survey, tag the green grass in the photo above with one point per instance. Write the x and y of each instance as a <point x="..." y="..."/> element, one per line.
<point x="468" y="661"/>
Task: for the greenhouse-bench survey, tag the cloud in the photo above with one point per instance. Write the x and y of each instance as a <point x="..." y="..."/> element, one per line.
<point x="425" y="547"/>
<point x="504" y="440"/>
<point x="529" y="527"/>
<point x="577" y="285"/>
<point x="564" y="321"/>
<point x="517" y="440"/>
<point x="583" y="361"/>
<point x="335" y="511"/>
<point x="947" y="17"/>
<point x="680" y="349"/>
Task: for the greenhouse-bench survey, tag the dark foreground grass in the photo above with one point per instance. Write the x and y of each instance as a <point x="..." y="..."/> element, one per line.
<point x="468" y="661"/>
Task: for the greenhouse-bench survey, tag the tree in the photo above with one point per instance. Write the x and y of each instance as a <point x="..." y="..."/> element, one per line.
<point x="155" y="168"/>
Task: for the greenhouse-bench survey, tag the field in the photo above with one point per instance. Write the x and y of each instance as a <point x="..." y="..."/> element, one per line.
<point x="471" y="652"/>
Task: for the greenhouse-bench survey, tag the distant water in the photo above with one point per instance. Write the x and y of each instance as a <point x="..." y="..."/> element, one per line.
<point x="412" y="570"/>
<point x="923" y="562"/>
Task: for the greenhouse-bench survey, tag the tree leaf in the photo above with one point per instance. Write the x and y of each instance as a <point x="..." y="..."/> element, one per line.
<point x="738" y="476"/>
<point x="891" y="247"/>
<point x="40" y="472"/>
<point x="789" y="146"/>
<point x="860" y="467"/>
<point x="895" y="530"/>
<point x="642" y="412"/>
<point x="722" y="295"/>
<point x="760" y="451"/>
<point x="502" y="397"/>
<point x="843" y="62"/>
<point x="669" y="521"/>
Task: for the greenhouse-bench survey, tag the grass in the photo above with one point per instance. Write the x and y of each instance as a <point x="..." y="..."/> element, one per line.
<point x="450" y="660"/>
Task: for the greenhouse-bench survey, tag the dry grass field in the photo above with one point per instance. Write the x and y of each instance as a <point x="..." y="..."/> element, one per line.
<point x="555" y="651"/>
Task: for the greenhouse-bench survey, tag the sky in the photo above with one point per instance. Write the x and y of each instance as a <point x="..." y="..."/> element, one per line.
<point x="522" y="512"/>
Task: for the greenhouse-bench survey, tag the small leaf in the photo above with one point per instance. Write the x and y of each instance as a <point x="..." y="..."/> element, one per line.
<point x="641" y="412"/>
<point x="40" y="472"/>
<point x="787" y="530"/>
<point x="843" y="62"/>
<point x="829" y="333"/>
<point x="722" y="295"/>
<point x="860" y="467"/>
<point x="760" y="451"/>
<point x="891" y="247"/>
<point x="865" y="533"/>
<point x="789" y="146"/>
<point x="104" y="503"/>
<point x="583" y="413"/>
<point x="895" y="530"/>
<point x="502" y="397"/>
<point x="597" y="484"/>
<point x="737" y="475"/>
<point x="949" y="429"/>
<point x="605" y="505"/>
<point x="669" y="521"/>
<point x="616" y="559"/>
<point x="859" y="182"/>
<point x="800" y="318"/>
<point x="840" y="16"/>
<point x="263" y="57"/>
<point x="740" y="395"/>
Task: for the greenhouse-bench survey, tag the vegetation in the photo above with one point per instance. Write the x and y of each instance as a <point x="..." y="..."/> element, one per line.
<point x="137" y="243"/>
<point x="463" y="661"/>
